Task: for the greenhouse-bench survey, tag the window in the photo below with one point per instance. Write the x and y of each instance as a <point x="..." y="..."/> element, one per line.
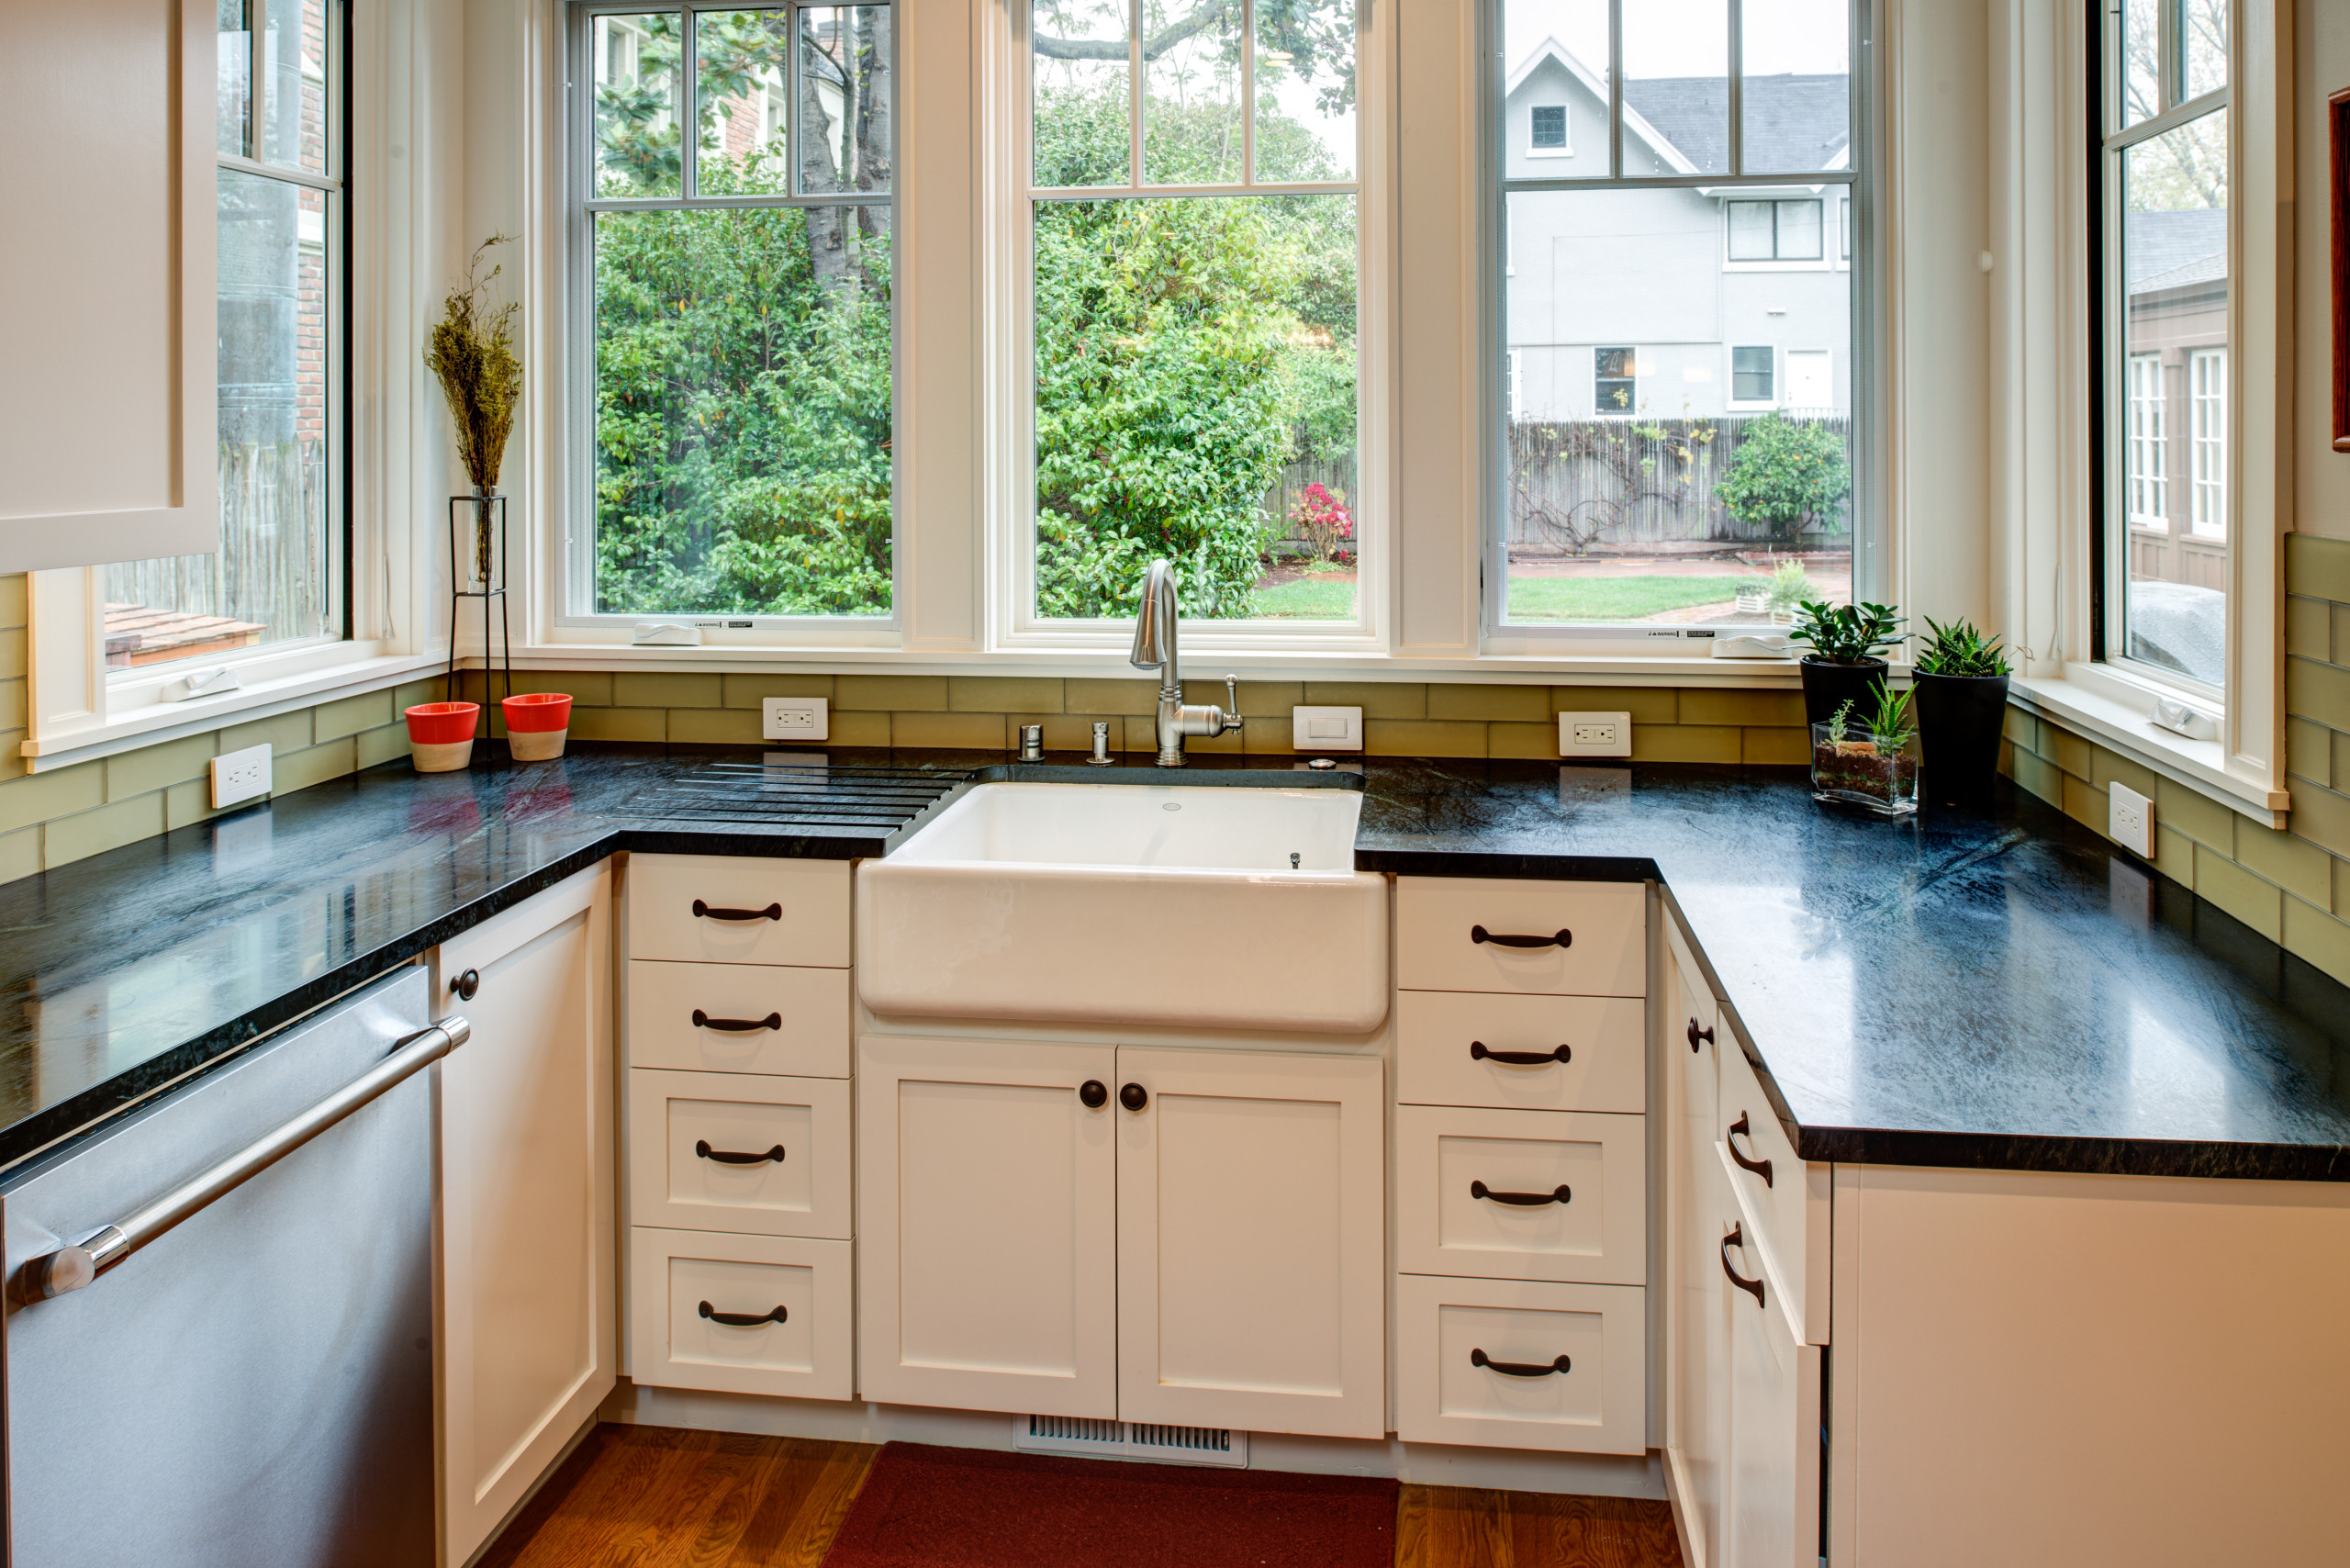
<point x="2207" y="376"/>
<point x="276" y="580"/>
<point x="735" y="455"/>
<point x="1194" y="254"/>
<point x="1677" y="490"/>
<point x="1550" y="129"/>
<point x="1774" y="230"/>
<point x="1514" y="389"/>
<point x="2164" y="167"/>
<point x="2148" y="481"/>
<point x="1614" y="387"/>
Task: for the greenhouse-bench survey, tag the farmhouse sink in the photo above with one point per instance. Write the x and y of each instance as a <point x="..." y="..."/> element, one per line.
<point x="1180" y="905"/>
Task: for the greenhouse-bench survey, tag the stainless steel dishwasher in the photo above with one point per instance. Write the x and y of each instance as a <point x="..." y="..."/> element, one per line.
<point x="218" y="1330"/>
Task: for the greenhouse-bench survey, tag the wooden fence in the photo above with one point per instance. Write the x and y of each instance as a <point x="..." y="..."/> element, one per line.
<point x="273" y="566"/>
<point x="1610" y="486"/>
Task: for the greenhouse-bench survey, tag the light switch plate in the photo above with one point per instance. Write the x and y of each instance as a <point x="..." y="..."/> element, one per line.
<point x="794" y="718"/>
<point x="239" y="775"/>
<point x="1595" y="734"/>
<point x="2129" y="821"/>
<point x="1325" y="729"/>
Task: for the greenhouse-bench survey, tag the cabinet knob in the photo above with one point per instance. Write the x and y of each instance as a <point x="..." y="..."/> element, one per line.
<point x="1696" y="1034"/>
<point x="467" y="985"/>
<point x="1093" y="1093"/>
<point x="1134" y="1096"/>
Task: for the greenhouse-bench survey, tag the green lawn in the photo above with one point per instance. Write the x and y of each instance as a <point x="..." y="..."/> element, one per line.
<point x="1308" y="599"/>
<point x="1616" y="598"/>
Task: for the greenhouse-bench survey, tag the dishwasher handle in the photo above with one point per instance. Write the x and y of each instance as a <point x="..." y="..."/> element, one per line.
<point x="70" y="1268"/>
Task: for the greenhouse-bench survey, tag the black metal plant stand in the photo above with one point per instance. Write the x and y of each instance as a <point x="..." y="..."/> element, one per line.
<point x="487" y="575"/>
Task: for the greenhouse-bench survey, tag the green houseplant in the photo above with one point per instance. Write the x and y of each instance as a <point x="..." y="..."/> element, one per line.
<point x="1845" y="642"/>
<point x="1867" y="760"/>
<point x="1962" y="696"/>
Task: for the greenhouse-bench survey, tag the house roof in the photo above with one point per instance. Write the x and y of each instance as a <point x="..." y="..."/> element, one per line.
<point x="1793" y="124"/>
<point x="2171" y="250"/>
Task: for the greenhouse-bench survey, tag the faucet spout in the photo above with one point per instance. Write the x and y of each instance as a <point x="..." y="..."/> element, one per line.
<point x="1155" y="649"/>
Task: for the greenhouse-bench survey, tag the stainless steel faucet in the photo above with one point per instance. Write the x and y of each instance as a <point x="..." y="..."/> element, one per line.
<point x="1155" y="649"/>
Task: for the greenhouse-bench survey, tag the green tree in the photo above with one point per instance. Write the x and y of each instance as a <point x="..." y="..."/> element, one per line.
<point x="1785" y="474"/>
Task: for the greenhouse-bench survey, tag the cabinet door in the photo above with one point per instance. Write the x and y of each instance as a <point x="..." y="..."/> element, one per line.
<point x="527" y="1333"/>
<point x="1700" y="1209"/>
<point x="987" y="1211"/>
<point x="1250" y="1242"/>
<point x="1772" y="1520"/>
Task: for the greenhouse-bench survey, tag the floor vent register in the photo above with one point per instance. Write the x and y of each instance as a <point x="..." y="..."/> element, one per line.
<point x="1135" y="1440"/>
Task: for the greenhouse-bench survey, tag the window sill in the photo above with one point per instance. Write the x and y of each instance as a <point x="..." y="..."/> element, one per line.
<point x="2114" y="710"/>
<point x="155" y="721"/>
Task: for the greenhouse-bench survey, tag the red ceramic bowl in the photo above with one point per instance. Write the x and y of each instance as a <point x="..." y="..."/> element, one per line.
<point x="441" y="724"/>
<point x="537" y="710"/>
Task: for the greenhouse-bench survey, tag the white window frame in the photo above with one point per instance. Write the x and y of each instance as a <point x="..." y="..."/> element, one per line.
<point x="1818" y="195"/>
<point x="2207" y="401"/>
<point x="1731" y="399"/>
<point x="2146" y="465"/>
<point x="1013" y="627"/>
<point x="1566" y="147"/>
<point x="1599" y="409"/>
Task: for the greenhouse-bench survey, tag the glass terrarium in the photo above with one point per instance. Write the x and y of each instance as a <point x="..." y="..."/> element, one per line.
<point x="1868" y="759"/>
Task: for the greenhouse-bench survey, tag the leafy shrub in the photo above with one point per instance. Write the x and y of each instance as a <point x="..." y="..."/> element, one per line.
<point x="1787" y="475"/>
<point x="1328" y="527"/>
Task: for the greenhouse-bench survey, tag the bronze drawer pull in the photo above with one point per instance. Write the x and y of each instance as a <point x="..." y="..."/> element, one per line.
<point x="1729" y="1139"/>
<point x="710" y="912"/>
<point x="736" y="1025"/>
<point x="1478" y="1051"/>
<point x="1521" y="1200"/>
<point x="743" y="1319"/>
<point x="1737" y="1238"/>
<point x="724" y="1157"/>
<point x="1519" y="1369"/>
<point x="1478" y="934"/>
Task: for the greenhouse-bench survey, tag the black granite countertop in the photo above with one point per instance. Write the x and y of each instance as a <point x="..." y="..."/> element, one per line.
<point x="1994" y="989"/>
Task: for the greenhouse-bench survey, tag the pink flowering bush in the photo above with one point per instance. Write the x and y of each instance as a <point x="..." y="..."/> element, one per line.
<point x="1325" y="523"/>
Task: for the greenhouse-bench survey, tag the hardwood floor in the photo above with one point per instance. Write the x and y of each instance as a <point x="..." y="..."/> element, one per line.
<point x="660" y="1497"/>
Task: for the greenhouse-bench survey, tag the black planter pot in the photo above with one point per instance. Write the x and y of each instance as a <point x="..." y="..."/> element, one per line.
<point x="1827" y="686"/>
<point x="1959" y="721"/>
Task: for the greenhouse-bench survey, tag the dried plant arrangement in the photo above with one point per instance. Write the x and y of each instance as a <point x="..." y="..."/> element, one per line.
<point x="472" y="352"/>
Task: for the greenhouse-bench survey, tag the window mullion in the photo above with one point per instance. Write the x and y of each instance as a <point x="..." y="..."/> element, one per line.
<point x="1614" y="89"/>
<point x="688" y="93"/>
<point x="1136" y="66"/>
<point x="1737" y="90"/>
<point x="1247" y="92"/>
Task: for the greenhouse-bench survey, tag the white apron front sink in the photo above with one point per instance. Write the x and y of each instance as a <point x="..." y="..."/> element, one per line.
<point x="1124" y="903"/>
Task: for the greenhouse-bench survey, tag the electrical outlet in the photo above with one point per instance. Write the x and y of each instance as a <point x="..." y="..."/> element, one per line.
<point x="241" y="776"/>
<point x="794" y="718"/>
<point x="1595" y="734"/>
<point x="2129" y="821"/>
<point x="1325" y="729"/>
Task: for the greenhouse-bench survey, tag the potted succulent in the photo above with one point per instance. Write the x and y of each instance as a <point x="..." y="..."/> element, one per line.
<point x="1842" y="664"/>
<point x="1869" y="760"/>
<point x="1962" y="696"/>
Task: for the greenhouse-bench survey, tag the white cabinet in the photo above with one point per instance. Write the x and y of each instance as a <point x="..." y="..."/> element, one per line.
<point x="1771" y="1517"/>
<point x="987" y="1202"/>
<point x="740" y="1314"/>
<point x="1507" y="1364"/>
<point x="1698" y="1210"/>
<point x="1250" y="1241"/>
<point x="109" y="438"/>
<point x="527" y="1335"/>
<point x="1521" y="1194"/>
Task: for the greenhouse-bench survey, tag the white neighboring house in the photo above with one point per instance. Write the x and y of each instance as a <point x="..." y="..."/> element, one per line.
<point x="1675" y="302"/>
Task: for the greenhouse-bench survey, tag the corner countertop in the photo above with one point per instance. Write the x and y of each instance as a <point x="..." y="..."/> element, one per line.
<point x="1996" y="989"/>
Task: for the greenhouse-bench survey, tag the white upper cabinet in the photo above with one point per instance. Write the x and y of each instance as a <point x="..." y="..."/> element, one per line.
<point x="109" y="429"/>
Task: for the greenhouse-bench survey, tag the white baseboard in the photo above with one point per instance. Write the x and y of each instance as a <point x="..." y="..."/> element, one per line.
<point x="1430" y="1464"/>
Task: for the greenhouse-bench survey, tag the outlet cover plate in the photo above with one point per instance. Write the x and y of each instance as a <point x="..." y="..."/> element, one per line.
<point x="2129" y="821"/>
<point x="1595" y="734"/>
<point x="794" y="718"/>
<point x="239" y="775"/>
<point x="1325" y="729"/>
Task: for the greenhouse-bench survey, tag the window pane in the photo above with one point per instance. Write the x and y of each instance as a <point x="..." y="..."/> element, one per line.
<point x="1084" y="120"/>
<point x="2205" y="26"/>
<point x="271" y="580"/>
<point x="1195" y="401"/>
<point x="1306" y="90"/>
<point x="1676" y="87"/>
<point x="1799" y="237"/>
<point x="2174" y="246"/>
<point x="1752" y="232"/>
<point x="2142" y="60"/>
<point x="234" y="92"/>
<point x="743" y="103"/>
<point x="1614" y="386"/>
<point x="294" y="70"/>
<point x="1556" y="54"/>
<point x="1192" y="121"/>
<point x="742" y="412"/>
<point x="844" y="86"/>
<point x="1688" y="511"/>
<point x="1749" y="374"/>
<point x="635" y="59"/>
<point x="1796" y="92"/>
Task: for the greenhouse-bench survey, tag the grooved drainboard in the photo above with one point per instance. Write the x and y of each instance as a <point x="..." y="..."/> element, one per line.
<point x="807" y="795"/>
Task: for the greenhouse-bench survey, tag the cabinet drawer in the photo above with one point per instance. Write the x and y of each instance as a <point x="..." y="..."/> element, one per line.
<point x="809" y="1009"/>
<point x="1436" y="920"/>
<point x="680" y="1124"/>
<point x="1596" y="1235"/>
<point x="1438" y="1059"/>
<point x="797" y="909"/>
<point x="1789" y="1207"/>
<point x="680" y="1281"/>
<point x="1452" y="1335"/>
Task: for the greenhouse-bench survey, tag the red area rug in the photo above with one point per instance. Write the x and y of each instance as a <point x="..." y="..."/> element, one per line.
<point x="936" y="1507"/>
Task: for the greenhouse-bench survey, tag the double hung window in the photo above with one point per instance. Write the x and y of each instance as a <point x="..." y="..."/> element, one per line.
<point x="1194" y="246"/>
<point x="1702" y="472"/>
<point x="733" y="408"/>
